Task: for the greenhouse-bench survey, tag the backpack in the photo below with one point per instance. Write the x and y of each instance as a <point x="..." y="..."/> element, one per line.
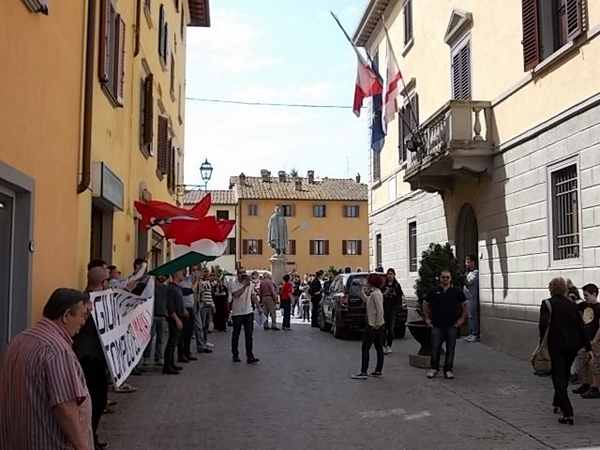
<point x="540" y="358"/>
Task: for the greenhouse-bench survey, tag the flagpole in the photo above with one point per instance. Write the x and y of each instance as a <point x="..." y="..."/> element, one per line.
<point x="352" y="43"/>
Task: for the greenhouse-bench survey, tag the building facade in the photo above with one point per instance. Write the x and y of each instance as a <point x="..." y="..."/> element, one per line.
<point x="496" y="148"/>
<point x="223" y="206"/>
<point x="326" y="220"/>
<point x="40" y="120"/>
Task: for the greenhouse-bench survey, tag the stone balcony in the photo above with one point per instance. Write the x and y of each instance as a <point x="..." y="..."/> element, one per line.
<point x="456" y="141"/>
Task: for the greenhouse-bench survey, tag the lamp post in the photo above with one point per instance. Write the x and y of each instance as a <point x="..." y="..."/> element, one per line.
<point x="206" y="170"/>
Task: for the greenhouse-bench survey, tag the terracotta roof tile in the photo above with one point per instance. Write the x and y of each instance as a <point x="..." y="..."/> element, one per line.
<point x="321" y="189"/>
<point x="219" y="197"/>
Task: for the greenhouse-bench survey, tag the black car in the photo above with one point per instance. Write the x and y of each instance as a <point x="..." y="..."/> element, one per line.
<point x="343" y="312"/>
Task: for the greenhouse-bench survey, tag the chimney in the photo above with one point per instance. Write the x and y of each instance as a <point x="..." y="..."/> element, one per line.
<point x="282" y="176"/>
<point x="358" y="177"/>
<point x="311" y="176"/>
<point x="265" y="175"/>
<point x="298" y="184"/>
<point x="242" y="178"/>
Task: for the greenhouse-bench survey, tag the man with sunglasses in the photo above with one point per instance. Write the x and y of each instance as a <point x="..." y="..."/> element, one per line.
<point x="445" y="311"/>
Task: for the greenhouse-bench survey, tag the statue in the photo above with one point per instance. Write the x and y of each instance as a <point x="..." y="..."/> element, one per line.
<point x="277" y="232"/>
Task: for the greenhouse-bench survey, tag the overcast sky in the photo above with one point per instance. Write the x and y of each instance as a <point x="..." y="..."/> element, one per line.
<point x="286" y="51"/>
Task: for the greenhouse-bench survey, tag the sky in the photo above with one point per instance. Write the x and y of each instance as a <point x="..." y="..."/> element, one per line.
<point x="286" y="51"/>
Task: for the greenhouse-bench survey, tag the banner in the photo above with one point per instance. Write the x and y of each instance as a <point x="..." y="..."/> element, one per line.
<point x="124" y="322"/>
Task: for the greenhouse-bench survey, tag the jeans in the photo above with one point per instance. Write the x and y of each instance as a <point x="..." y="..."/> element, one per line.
<point x="158" y="338"/>
<point x="185" y="340"/>
<point x="389" y="315"/>
<point x="201" y="324"/>
<point x="315" y="311"/>
<point x="169" y="360"/>
<point x="94" y="371"/>
<point x="246" y="321"/>
<point x="286" y="305"/>
<point x="473" y="317"/>
<point x="372" y="336"/>
<point x="561" y="367"/>
<point x="439" y="336"/>
<point x="295" y="304"/>
<point x="306" y="312"/>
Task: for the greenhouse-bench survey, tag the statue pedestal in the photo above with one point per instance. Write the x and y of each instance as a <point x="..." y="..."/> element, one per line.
<point x="278" y="269"/>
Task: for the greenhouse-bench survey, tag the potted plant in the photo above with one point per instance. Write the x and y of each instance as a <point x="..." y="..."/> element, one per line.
<point x="436" y="258"/>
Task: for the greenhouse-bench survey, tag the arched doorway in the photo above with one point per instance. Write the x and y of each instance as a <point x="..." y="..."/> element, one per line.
<point x="467" y="237"/>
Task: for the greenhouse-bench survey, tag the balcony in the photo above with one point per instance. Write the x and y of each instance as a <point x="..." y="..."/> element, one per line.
<point x="456" y="142"/>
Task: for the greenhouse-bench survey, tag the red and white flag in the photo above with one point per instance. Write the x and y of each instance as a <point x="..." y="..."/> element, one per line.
<point x="368" y="83"/>
<point x="392" y="88"/>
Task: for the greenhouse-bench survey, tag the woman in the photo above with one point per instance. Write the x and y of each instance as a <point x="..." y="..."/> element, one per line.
<point x="374" y="331"/>
<point x="566" y="336"/>
<point x="392" y="303"/>
<point x="220" y="295"/>
<point x="285" y="296"/>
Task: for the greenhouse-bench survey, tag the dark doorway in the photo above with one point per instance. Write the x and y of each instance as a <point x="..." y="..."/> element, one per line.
<point x="101" y="242"/>
<point x="467" y="235"/>
<point x="6" y="265"/>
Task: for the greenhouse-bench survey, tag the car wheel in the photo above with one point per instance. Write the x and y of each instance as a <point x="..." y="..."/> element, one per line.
<point x="336" y="330"/>
<point x="323" y="325"/>
<point x="400" y="331"/>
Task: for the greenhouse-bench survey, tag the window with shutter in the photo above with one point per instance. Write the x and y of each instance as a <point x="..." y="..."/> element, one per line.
<point x="166" y="48"/>
<point x="408" y="123"/>
<point x="245" y="246"/>
<point x="172" y="78"/>
<point x="161" y="32"/>
<point x="106" y="20"/>
<point x="325" y="247"/>
<point x="163" y="146"/>
<point x="461" y="71"/>
<point x="111" y="64"/>
<point x="359" y="247"/>
<point x="260" y="247"/>
<point x="344" y="247"/>
<point x="311" y="247"/>
<point x="147" y="122"/>
<point x="408" y="21"/>
<point x="531" y="39"/>
<point x="291" y="247"/>
<point x="120" y="59"/>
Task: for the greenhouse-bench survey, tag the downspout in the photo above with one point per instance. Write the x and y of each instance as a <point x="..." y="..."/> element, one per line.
<point x="86" y="159"/>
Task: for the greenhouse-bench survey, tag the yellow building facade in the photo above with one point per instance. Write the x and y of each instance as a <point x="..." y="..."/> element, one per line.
<point x="326" y="220"/>
<point x="495" y="149"/>
<point x="41" y="85"/>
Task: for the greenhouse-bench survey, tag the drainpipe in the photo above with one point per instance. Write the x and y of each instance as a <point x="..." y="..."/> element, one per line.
<point x="86" y="160"/>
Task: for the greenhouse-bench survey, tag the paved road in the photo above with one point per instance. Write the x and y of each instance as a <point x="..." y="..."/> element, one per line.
<point x="301" y="397"/>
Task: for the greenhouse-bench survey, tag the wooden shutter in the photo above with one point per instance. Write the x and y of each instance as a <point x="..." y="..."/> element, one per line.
<point x="311" y="247"/>
<point x="166" y="48"/>
<point x="149" y="109"/>
<point x="245" y="246"/>
<point x="138" y="11"/>
<point x="326" y="247"/>
<point x="292" y="210"/>
<point x="357" y="211"/>
<point x="120" y="59"/>
<point x="104" y="45"/>
<point x="461" y="73"/>
<point x="344" y="247"/>
<point x="575" y="18"/>
<point x="359" y="247"/>
<point x="161" y="32"/>
<point x="345" y="211"/>
<point x="163" y="142"/>
<point x="260" y="246"/>
<point x="531" y="34"/>
<point x="292" y="245"/>
<point x="401" y="134"/>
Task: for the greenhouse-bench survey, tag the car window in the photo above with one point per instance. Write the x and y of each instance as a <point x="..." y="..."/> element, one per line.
<point x="355" y="284"/>
<point x="335" y="286"/>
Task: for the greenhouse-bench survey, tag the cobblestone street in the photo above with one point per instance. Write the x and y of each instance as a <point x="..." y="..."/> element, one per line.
<point x="301" y="396"/>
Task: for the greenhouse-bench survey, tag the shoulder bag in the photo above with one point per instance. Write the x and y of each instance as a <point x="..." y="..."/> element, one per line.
<point x="540" y="358"/>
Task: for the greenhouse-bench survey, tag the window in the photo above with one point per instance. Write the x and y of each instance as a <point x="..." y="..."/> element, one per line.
<point x="288" y="210"/>
<point x="179" y="111"/>
<point x="147" y="115"/>
<point x="291" y="250"/>
<point x="412" y="247"/>
<point x="177" y="5"/>
<point x="565" y="213"/>
<point x="172" y="78"/>
<point x="222" y="214"/>
<point x="319" y="247"/>
<point x="378" y="251"/>
<point x="252" y="246"/>
<point x="253" y="209"/>
<point x="461" y="71"/>
<point x="182" y="25"/>
<point x="171" y="181"/>
<point x="162" y="161"/>
<point x="351" y="210"/>
<point x="376" y="165"/>
<point x="163" y="37"/>
<point x="157" y="250"/>
<point x="319" y="210"/>
<point x="408" y="22"/>
<point x="112" y="53"/>
<point x="142" y="239"/>
<point x="230" y="249"/>
<point x="352" y="247"/>
<point x="408" y="122"/>
<point x="548" y="25"/>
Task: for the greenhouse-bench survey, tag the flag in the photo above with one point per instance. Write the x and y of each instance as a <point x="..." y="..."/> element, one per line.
<point x="155" y="212"/>
<point x="368" y="83"/>
<point x="377" y="128"/>
<point x="188" y="231"/>
<point x="393" y="79"/>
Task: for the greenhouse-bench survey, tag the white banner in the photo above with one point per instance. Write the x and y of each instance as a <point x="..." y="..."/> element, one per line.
<point x="124" y="322"/>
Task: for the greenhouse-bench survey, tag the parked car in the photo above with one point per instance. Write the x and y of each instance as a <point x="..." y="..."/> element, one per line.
<point x="343" y="312"/>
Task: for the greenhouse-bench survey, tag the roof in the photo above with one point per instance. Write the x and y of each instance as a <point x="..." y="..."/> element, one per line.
<point x="369" y="20"/>
<point x="218" y="197"/>
<point x="320" y="189"/>
<point x="200" y="13"/>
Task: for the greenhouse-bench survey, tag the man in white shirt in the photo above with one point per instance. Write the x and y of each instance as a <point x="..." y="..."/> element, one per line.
<point x="242" y="298"/>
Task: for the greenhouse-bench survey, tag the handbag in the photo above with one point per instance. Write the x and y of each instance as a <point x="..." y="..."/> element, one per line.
<point x="540" y="358"/>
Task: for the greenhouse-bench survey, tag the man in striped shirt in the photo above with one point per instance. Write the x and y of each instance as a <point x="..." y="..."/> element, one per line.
<point x="44" y="400"/>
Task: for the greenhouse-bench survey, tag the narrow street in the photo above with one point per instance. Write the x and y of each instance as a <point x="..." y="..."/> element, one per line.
<point x="300" y="396"/>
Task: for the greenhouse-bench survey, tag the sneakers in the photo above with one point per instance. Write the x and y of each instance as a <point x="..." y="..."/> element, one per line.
<point x="593" y="392"/>
<point x="432" y="373"/>
<point x="387" y="350"/>
<point x="449" y="375"/>
<point x="581" y="389"/>
<point x="471" y="338"/>
<point x="376" y="374"/>
<point x="360" y="376"/>
<point x="252" y="360"/>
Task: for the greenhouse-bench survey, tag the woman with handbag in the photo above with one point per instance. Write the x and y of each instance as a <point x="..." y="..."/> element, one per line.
<point x="565" y="336"/>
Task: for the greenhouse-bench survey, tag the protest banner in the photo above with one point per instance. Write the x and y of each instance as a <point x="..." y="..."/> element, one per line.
<point x="124" y="322"/>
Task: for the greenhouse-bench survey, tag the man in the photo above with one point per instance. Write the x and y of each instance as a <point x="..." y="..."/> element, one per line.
<point x="241" y="313"/>
<point x="445" y="311"/>
<point x="471" y="291"/>
<point x="185" y="341"/>
<point x="202" y="304"/>
<point x="175" y="312"/>
<point x="44" y="401"/>
<point x="114" y="277"/>
<point x="590" y="370"/>
<point x="268" y="297"/>
<point x="316" y="292"/>
<point x="159" y="330"/>
<point x="392" y="303"/>
<point x="88" y="348"/>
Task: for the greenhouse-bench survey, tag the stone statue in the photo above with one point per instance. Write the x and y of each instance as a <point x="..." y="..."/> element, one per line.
<point x="277" y="232"/>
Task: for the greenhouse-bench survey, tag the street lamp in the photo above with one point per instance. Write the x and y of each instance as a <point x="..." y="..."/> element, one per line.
<point x="206" y="170"/>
